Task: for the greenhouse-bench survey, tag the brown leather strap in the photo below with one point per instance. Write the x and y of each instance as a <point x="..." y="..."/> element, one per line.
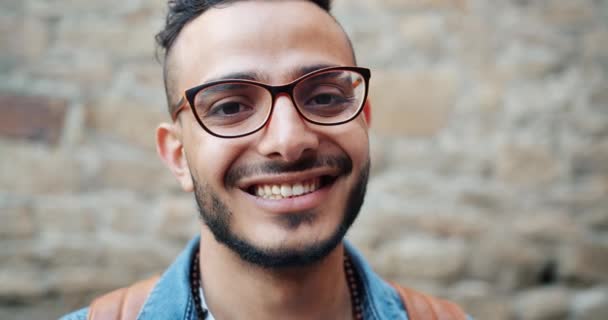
<point x="122" y="304"/>
<point x="420" y="306"/>
<point x="125" y="304"/>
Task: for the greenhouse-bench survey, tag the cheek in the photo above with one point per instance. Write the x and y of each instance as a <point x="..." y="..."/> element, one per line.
<point x="210" y="157"/>
<point x="353" y="139"/>
<point x="359" y="139"/>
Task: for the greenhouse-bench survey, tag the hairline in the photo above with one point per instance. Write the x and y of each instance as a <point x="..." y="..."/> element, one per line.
<point x="167" y="61"/>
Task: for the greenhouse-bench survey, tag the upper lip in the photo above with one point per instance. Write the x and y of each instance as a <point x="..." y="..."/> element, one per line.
<point x="287" y="178"/>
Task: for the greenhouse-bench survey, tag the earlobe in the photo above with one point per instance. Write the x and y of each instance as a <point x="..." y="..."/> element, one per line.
<point x="170" y="148"/>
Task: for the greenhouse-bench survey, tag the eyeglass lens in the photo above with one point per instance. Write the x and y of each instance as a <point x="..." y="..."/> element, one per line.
<point x="237" y="108"/>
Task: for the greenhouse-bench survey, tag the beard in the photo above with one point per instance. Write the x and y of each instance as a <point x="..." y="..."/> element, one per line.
<point x="217" y="216"/>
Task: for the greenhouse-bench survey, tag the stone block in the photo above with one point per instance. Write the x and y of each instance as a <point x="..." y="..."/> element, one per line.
<point x="386" y="224"/>
<point x="19" y="254"/>
<point x="71" y="251"/>
<point x="39" y="308"/>
<point x="132" y="120"/>
<point x="599" y="96"/>
<point x="548" y="303"/>
<point x="34" y="169"/>
<point x="526" y="165"/>
<point x="423" y="32"/>
<point x="594" y="126"/>
<point x="11" y="39"/>
<point x="422" y="257"/>
<point x="145" y="175"/>
<point x="596" y="216"/>
<point x="67" y="214"/>
<point x="36" y="35"/>
<point x="411" y="155"/>
<point x="590" y="304"/>
<point x="568" y="13"/>
<point x="80" y="8"/>
<point x="109" y="34"/>
<point x="527" y="60"/>
<point x="554" y="226"/>
<point x="91" y="72"/>
<point x="480" y="300"/>
<point x="148" y="74"/>
<point x="74" y="279"/>
<point x="12" y="6"/>
<point x="378" y="154"/>
<point x="17" y="220"/>
<point x="506" y="261"/>
<point x="486" y="200"/>
<point x="180" y="218"/>
<point x="136" y="259"/>
<point x="453" y="222"/>
<point x="416" y="103"/>
<point x="20" y="284"/>
<point x="423" y="4"/>
<point x="591" y="160"/>
<point x="127" y="212"/>
<point x="378" y="225"/>
<point x="131" y="220"/>
<point x="596" y="45"/>
<point x="585" y="261"/>
<point x="32" y="118"/>
<point x="487" y="308"/>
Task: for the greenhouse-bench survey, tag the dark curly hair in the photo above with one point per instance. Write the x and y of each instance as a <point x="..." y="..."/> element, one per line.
<point x="183" y="11"/>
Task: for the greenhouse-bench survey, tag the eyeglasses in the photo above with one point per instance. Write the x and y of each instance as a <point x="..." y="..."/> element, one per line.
<point x="236" y="108"/>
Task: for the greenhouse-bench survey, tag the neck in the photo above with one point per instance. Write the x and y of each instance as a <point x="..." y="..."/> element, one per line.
<point x="235" y="289"/>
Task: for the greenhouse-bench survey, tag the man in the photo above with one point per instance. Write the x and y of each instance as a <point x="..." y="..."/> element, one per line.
<point x="270" y="134"/>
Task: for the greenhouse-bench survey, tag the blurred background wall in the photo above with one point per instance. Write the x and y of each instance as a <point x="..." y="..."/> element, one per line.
<point x="489" y="139"/>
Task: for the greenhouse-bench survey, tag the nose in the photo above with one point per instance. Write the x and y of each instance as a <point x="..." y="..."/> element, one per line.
<point x="287" y="135"/>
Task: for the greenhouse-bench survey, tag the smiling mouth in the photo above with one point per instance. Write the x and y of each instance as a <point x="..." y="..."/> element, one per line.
<point x="290" y="190"/>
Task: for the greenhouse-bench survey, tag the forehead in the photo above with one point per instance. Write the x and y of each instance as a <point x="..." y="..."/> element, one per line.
<point x="270" y="38"/>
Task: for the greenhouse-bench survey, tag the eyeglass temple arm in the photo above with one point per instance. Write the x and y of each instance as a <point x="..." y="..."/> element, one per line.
<point x="181" y="104"/>
<point x="367" y="112"/>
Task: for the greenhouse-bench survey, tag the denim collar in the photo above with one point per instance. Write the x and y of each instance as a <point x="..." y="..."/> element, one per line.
<point x="171" y="298"/>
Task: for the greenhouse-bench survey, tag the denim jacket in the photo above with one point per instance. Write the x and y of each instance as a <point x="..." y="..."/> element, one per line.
<point x="171" y="297"/>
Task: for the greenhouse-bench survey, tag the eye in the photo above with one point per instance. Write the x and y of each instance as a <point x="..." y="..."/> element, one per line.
<point x="228" y="113"/>
<point x="323" y="99"/>
<point x="228" y="109"/>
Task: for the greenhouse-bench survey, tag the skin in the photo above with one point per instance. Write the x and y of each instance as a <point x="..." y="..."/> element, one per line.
<point x="273" y="39"/>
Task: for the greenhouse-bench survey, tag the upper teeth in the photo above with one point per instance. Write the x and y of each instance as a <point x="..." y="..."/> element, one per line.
<point x="280" y="191"/>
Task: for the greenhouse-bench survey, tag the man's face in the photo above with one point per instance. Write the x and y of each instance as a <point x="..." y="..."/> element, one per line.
<point x="275" y="42"/>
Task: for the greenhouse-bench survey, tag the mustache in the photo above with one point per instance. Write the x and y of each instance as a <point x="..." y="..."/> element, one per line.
<point x="342" y="163"/>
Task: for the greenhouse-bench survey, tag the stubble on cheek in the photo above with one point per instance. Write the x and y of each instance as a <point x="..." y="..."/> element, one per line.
<point x="212" y="211"/>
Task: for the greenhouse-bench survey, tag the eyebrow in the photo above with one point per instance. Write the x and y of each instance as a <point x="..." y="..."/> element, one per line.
<point x="254" y="75"/>
<point x="303" y="70"/>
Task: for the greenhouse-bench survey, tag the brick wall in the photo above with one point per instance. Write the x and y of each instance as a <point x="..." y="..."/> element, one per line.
<point x="489" y="140"/>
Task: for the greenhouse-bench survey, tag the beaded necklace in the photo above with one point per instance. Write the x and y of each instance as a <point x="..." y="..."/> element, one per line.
<point x="351" y="279"/>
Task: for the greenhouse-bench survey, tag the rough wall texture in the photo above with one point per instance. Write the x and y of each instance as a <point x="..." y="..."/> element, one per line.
<point x="490" y="152"/>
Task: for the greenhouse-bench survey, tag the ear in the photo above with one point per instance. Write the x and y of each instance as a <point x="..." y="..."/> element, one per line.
<point x="367" y="112"/>
<point x="170" y="148"/>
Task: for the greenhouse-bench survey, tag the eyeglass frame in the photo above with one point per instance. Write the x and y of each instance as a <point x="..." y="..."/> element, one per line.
<point x="189" y="95"/>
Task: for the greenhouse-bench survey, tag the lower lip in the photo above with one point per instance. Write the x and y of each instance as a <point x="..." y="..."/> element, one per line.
<point x="294" y="204"/>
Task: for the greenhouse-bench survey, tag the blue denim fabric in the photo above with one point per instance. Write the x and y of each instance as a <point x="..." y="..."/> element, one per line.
<point x="171" y="298"/>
